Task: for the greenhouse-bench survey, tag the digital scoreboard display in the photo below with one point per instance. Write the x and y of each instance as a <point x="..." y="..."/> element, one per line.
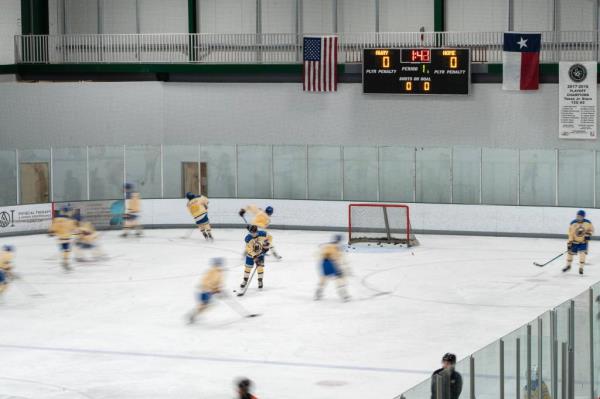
<point x="416" y="70"/>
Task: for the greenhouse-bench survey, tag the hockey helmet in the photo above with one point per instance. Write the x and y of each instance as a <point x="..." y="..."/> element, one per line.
<point x="190" y="196"/>
<point x="581" y="213"/>
<point x="217" y="262"/>
<point x="253" y="229"/>
<point x="8" y="248"/>
<point x="337" y="238"/>
<point x="128" y="186"/>
<point x="269" y="210"/>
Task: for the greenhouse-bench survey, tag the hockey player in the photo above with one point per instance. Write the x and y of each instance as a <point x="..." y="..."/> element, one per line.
<point x="258" y="243"/>
<point x="132" y="211"/>
<point x="198" y="208"/>
<point x="260" y="218"/>
<point x="536" y="387"/>
<point x="580" y="232"/>
<point x="211" y="284"/>
<point x="86" y="241"/>
<point x="331" y="267"/>
<point x="6" y="266"/>
<point x="63" y="227"/>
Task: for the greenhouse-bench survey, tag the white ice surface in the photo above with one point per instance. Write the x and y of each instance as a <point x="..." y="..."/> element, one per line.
<point x="116" y="330"/>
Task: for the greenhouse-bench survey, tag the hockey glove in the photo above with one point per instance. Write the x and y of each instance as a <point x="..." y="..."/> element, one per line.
<point x="242" y="212"/>
<point x="569" y="245"/>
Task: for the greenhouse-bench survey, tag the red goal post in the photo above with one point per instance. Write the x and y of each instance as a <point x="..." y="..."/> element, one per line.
<point x="380" y="223"/>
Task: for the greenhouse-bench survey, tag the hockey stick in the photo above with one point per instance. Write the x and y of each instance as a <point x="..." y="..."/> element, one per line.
<point x="248" y="283"/>
<point x="550" y="261"/>
<point x="244" y="217"/>
<point x="237" y="307"/>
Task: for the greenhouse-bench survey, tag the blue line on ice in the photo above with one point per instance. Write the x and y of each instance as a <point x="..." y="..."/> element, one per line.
<point x="217" y="359"/>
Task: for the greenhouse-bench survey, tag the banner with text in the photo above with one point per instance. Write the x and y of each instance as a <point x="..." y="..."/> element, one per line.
<point x="577" y="100"/>
<point x="99" y="213"/>
<point x="20" y="218"/>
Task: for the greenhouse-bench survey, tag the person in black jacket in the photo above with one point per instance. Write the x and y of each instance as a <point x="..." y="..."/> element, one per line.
<point x="450" y="378"/>
<point x="244" y="385"/>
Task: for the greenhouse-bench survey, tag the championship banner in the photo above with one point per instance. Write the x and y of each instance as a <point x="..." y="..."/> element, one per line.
<point x="577" y="100"/>
<point x="21" y="218"/>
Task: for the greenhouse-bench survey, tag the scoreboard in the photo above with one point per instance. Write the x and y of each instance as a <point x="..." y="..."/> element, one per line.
<point x="416" y="70"/>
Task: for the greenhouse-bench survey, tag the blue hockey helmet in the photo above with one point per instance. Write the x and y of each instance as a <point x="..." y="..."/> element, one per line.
<point x="190" y="196"/>
<point x="269" y="210"/>
<point x="217" y="262"/>
<point x="337" y="239"/>
<point x="66" y="209"/>
<point x="8" y="248"/>
<point x="128" y="186"/>
<point x="581" y="213"/>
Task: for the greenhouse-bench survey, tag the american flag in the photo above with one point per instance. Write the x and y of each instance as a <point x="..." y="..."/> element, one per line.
<point x="320" y="63"/>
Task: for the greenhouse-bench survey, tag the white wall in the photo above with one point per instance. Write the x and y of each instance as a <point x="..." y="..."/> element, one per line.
<point x="118" y="16"/>
<point x="227" y="16"/>
<point x="87" y="113"/>
<point x="577" y="14"/>
<point x="405" y="15"/>
<point x="10" y="25"/>
<point x="476" y="15"/>
<point x="534" y="15"/>
<point x="163" y="16"/>
<point x="473" y="219"/>
<point x="430" y="218"/>
<point x="278" y="16"/>
<point x="356" y="15"/>
<point x="318" y="16"/>
<point x="81" y="16"/>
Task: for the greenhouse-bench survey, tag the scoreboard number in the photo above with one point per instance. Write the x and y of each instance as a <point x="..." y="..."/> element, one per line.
<point x="417" y="70"/>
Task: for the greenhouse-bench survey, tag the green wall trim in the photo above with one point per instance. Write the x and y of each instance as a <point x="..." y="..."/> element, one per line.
<point x="34" y="17"/>
<point x="25" y="17"/>
<point x="192" y="16"/>
<point x="438" y="15"/>
<point x="9" y="69"/>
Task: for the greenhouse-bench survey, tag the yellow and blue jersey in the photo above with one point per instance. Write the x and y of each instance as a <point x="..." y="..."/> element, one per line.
<point x="212" y="280"/>
<point x="211" y="284"/>
<point x="256" y="245"/>
<point x="331" y="259"/>
<point x="87" y="234"/>
<point x="260" y="217"/>
<point x="133" y="203"/>
<point x="6" y="259"/>
<point x="63" y="228"/>
<point x="198" y="208"/>
<point x="580" y="231"/>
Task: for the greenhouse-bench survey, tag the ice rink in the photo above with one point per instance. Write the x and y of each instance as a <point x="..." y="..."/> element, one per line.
<point x="115" y="329"/>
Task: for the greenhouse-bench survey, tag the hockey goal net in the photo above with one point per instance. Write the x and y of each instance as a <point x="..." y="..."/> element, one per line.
<point x="380" y="223"/>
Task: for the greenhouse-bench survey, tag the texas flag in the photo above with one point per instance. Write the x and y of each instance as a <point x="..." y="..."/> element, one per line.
<point x="521" y="61"/>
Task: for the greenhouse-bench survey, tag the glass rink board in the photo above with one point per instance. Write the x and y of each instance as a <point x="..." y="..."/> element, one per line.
<point x="416" y="70"/>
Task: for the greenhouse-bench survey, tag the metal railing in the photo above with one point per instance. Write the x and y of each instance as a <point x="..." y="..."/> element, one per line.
<point x="273" y="48"/>
<point x="553" y="356"/>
